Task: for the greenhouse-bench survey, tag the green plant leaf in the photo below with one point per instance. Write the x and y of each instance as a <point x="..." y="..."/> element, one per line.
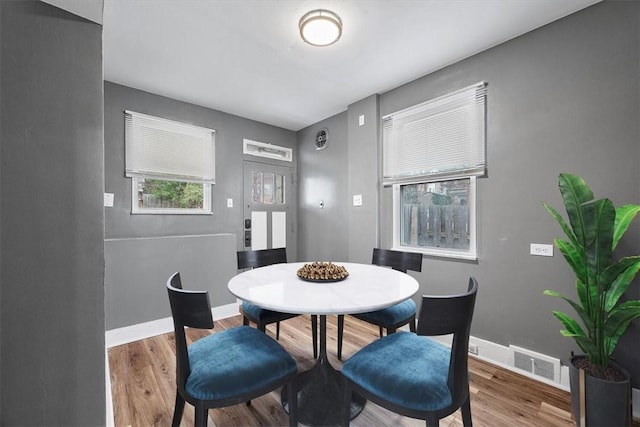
<point x="563" y="224"/>
<point x="573" y="256"/>
<point x="600" y="216"/>
<point x="618" y="322"/>
<point x="573" y="330"/>
<point x="619" y="276"/>
<point x="594" y="229"/>
<point x="585" y="295"/>
<point x="584" y="316"/>
<point x="624" y="215"/>
<point x="575" y="192"/>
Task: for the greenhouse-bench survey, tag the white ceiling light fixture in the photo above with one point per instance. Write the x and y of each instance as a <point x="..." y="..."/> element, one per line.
<point x="320" y="27"/>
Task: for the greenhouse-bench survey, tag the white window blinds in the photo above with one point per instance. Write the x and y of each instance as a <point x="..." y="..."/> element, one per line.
<point x="163" y="149"/>
<point x="442" y="137"/>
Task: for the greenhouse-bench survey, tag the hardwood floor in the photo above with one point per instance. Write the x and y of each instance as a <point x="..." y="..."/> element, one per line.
<point x="143" y="385"/>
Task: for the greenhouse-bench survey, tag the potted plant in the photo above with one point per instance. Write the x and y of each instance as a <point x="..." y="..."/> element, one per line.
<point x="595" y="227"/>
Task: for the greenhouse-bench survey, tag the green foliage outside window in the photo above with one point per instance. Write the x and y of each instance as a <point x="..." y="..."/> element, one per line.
<point x="173" y="194"/>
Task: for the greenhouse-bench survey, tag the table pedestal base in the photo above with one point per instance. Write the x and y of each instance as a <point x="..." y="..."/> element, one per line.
<point x="321" y="392"/>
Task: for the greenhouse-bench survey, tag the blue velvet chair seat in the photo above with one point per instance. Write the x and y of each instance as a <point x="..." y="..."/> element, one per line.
<point x="404" y="368"/>
<point x="263" y="315"/>
<point x="394" y="317"/>
<point x="395" y="314"/>
<point x="232" y="362"/>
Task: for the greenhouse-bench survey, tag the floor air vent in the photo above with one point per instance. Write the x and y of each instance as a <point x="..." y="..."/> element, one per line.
<point x="535" y="363"/>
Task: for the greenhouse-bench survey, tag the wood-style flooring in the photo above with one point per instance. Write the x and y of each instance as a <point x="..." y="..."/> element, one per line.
<point x="143" y="385"/>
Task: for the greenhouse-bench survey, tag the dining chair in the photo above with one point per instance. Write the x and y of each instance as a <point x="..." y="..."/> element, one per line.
<point x="260" y="316"/>
<point x="226" y="368"/>
<point x="416" y="376"/>
<point x="390" y="318"/>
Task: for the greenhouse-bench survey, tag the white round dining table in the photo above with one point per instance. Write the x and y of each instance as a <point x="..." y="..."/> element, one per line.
<point x="367" y="288"/>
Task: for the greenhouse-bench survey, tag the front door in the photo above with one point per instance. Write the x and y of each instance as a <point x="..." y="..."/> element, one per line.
<point x="268" y="222"/>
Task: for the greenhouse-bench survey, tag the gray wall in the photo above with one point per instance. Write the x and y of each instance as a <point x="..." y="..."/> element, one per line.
<point x="1" y="97"/>
<point x="563" y="98"/>
<point x="128" y="285"/>
<point x="322" y="232"/>
<point x="364" y="172"/>
<point x="230" y="131"/>
<point x="137" y="269"/>
<point x="52" y="223"/>
<point x="88" y="9"/>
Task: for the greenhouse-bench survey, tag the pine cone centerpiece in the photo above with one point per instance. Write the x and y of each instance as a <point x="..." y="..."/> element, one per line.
<point x="322" y="271"/>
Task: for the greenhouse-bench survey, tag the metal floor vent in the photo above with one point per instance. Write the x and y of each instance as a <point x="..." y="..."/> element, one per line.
<point x="535" y="363"/>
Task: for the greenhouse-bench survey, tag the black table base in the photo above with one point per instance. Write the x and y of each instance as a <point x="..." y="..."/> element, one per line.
<point x="321" y="391"/>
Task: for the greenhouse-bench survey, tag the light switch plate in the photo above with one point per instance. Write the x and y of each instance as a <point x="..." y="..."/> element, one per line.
<point x="229" y="203"/>
<point x="108" y="200"/>
<point x="361" y="120"/>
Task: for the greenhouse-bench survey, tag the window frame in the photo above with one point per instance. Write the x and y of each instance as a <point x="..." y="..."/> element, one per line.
<point x="471" y="254"/>
<point x="426" y="143"/>
<point x="168" y="150"/>
<point x="207" y="208"/>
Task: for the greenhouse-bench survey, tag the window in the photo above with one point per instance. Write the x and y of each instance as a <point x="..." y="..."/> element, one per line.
<point x="267" y="188"/>
<point x="432" y="154"/>
<point x="270" y="151"/>
<point x="437" y="217"/>
<point x="171" y="164"/>
<point x="167" y="196"/>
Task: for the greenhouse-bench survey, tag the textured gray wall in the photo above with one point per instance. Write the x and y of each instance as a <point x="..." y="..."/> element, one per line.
<point x="230" y="131"/>
<point x="52" y="223"/>
<point x="563" y="98"/>
<point x="88" y="9"/>
<point x="363" y="179"/>
<point x="124" y="280"/>
<point x="1" y="44"/>
<point x="1" y="207"/>
<point x="136" y="271"/>
<point x="322" y="233"/>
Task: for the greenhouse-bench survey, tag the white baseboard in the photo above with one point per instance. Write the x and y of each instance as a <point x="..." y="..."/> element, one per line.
<point x="110" y="420"/>
<point x="127" y="334"/>
<point x="499" y="355"/>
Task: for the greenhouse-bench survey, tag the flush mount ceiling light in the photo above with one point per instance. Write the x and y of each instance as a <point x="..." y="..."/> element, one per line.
<point x="320" y="27"/>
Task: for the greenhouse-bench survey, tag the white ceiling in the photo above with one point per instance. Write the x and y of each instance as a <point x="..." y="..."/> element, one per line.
<point x="246" y="57"/>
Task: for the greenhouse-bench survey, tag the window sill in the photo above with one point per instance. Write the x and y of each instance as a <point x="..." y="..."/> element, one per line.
<point x="171" y="212"/>
<point x="438" y="253"/>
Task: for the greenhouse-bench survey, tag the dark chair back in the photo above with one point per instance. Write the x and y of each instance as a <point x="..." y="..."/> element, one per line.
<point x="452" y="314"/>
<point x="261" y="258"/>
<point x="398" y="260"/>
<point x="189" y="309"/>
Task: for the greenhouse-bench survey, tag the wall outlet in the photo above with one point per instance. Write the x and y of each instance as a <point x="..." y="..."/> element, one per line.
<point x="473" y="348"/>
<point x="541" y="250"/>
<point x="357" y="200"/>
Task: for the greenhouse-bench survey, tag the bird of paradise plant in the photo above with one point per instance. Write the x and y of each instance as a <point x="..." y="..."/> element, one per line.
<point x="594" y="230"/>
